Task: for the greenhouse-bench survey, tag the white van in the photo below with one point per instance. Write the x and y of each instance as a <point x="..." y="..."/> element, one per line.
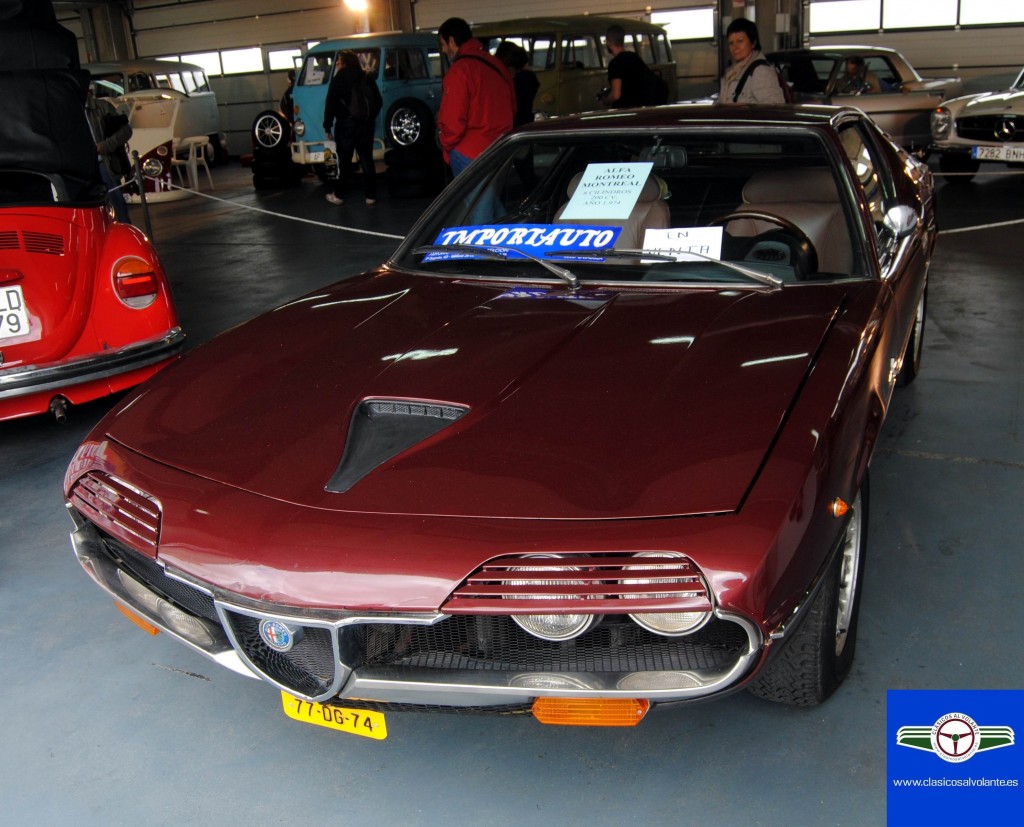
<point x="145" y="79"/>
<point x="166" y="102"/>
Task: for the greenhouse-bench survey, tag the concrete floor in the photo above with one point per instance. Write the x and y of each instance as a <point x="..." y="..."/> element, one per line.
<point x="103" y="725"/>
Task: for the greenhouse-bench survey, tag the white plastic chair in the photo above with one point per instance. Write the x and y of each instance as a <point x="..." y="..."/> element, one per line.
<point x="190" y="154"/>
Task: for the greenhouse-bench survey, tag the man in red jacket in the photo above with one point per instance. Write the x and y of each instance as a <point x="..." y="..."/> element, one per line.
<point x="478" y="101"/>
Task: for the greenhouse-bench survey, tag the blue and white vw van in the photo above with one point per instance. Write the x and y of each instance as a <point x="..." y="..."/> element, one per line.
<point x="407" y="69"/>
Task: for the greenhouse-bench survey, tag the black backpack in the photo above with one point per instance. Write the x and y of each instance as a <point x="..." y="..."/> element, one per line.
<point x="787" y="90"/>
<point x="654" y="90"/>
<point x="365" y="102"/>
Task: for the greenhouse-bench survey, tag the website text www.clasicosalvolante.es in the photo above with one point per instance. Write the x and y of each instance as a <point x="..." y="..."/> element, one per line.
<point x="955" y="782"/>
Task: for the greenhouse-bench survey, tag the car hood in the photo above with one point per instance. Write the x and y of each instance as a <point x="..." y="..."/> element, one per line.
<point x="1010" y="100"/>
<point x="523" y="403"/>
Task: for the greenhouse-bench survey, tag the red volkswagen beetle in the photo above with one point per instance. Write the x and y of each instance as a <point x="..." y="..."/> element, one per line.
<point x="85" y="307"/>
<point x="595" y="438"/>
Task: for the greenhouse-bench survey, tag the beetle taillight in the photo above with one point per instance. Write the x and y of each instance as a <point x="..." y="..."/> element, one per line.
<point x="135" y="282"/>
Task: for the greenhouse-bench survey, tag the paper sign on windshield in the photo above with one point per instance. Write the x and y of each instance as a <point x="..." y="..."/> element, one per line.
<point x="607" y="191"/>
<point x="686" y="243"/>
<point x="539" y="240"/>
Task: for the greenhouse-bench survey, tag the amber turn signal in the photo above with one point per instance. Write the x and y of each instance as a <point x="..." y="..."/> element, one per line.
<point x="590" y="711"/>
<point x="839" y="507"/>
<point x="138" y="621"/>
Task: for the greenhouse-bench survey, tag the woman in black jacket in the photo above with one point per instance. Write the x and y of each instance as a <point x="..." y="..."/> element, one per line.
<point x="350" y="119"/>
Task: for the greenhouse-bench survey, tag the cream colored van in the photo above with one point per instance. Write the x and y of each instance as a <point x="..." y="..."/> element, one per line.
<point x="132" y="81"/>
<point x="570" y="60"/>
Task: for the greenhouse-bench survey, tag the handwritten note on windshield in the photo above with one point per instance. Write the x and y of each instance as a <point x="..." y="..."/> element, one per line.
<point x="686" y="243"/>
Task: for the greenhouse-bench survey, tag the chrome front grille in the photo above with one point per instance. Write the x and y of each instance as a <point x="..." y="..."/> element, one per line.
<point x="118" y="509"/>
<point x="498" y="644"/>
<point x="308" y="668"/>
<point x="1002" y="128"/>
<point x="588" y="583"/>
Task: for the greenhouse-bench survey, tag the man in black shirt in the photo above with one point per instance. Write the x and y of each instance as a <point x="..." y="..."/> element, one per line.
<point x="625" y="72"/>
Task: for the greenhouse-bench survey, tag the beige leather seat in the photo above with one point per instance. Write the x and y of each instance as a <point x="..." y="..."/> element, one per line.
<point x="649" y="213"/>
<point x="808" y="198"/>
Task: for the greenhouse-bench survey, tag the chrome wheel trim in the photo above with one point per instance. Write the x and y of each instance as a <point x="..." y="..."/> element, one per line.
<point x="918" y="331"/>
<point x="405" y="126"/>
<point x="846" y="598"/>
<point x="268" y="131"/>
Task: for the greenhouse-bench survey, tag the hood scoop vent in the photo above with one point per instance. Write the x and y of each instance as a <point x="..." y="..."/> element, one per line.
<point x="383" y="428"/>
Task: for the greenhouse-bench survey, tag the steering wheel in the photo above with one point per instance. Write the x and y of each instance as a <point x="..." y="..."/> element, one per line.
<point x="810" y="254"/>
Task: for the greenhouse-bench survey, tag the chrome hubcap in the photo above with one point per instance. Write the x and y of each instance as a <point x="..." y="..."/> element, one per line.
<point x="918" y="329"/>
<point x="405" y="127"/>
<point x="268" y="132"/>
<point x="847" y="597"/>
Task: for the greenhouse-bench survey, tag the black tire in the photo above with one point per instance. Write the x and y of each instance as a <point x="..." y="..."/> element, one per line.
<point x="912" y="355"/>
<point x="958" y="166"/>
<point x="408" y="124"/>
<point x="816" y="660"/>
<point x="271" y="132"/>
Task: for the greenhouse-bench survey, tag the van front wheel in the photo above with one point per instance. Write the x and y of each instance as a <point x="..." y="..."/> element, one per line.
<point x="408" y="123"/>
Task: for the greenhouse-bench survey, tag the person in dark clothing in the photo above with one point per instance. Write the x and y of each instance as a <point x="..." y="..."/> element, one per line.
<point x="287" y="104"/>
<point x="526" y="85"/>
<point x="352" y="131"/>
<point x="524" y="80"/>
<point x="626" y="72"/>
<point x="110" y="133"/>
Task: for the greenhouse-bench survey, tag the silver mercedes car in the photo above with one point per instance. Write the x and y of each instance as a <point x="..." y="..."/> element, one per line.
<point x="976" y="128"/>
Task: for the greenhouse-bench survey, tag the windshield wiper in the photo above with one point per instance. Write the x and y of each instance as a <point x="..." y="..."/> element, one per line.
<point x="654" y="255"/>
<point x="498" y="253"/>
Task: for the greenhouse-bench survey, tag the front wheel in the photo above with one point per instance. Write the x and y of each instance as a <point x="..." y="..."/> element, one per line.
<point x="408" y="124"/>
<point x="818" y="658"/>
<point x="912" y="355"/>
<point x="271" y="131"/>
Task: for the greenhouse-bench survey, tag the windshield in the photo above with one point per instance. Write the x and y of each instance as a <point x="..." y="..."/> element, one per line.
<point x="701" y="206"/>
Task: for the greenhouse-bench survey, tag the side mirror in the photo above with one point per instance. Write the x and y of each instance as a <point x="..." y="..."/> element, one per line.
<point x="901" y="221"/>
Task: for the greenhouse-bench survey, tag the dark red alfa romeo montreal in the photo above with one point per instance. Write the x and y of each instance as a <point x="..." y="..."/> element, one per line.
<point x="595" y="438"/>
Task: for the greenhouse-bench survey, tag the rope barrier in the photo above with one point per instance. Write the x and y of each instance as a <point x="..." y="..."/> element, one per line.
<point x="288" y="217"/>
<point x="983" y="227"/>
<point x="400" y="237"/>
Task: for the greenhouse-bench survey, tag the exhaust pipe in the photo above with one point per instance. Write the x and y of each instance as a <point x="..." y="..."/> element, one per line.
<point x="59" y="408"/>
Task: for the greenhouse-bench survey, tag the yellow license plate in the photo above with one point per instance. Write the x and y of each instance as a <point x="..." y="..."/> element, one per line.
<point x="363" y="722"/>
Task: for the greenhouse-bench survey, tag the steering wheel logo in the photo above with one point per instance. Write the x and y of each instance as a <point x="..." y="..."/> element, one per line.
<point x="955" y="737"/>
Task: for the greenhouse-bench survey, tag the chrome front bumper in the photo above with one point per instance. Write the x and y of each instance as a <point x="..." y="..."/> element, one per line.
<point x="440" y="687"/>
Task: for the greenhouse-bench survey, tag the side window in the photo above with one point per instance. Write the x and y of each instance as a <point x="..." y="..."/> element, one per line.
<point x="369" y="59"/>
<point x="643" y="47"/>
<point x="880" y="66"/>
<point x="662" y="49"/>
<point x="542" y="55"/>
<point x="870" y="174"/>
<point x="317" y="70"/>
<point x="437" y="62"/>
<point x="202" y="84"/>
<point x="580" y="52"/>
<point x="139" y="80"/>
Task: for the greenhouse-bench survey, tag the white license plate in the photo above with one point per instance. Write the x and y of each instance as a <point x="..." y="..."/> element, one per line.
<point x="998" y="153"/>
<point x="315" y="157"/>
<point x="13" y="315"/>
